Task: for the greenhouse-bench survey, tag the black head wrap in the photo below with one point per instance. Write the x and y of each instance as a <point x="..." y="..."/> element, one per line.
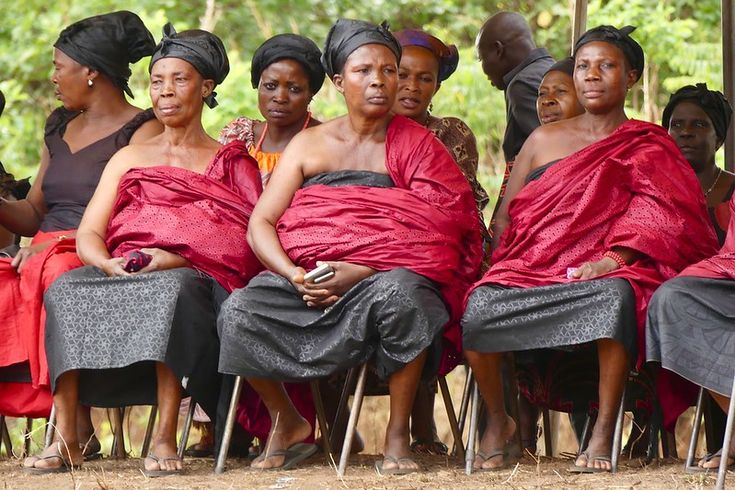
<point x="565" y="65"/>
<point x="2" y="103"/>
<point x="448" y="56"/>
<point x="346" y="35"/>
<point x="292" y="47"/>
<point x="712" y="102"/>
<point x="108" y="43"/>
<point x="617" y="37"/>
<point x="202" y="49"/>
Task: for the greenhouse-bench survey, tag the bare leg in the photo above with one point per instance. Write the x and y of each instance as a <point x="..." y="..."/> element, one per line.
<point x="486" y="367"/>
<point x="288" y="427"/>
<point x="66" y="400"/>
<point x="402" y="386"/>
<point x="724" y="403"/>
<point x="613" y="374"/>
<point x="163" y="445"/>
<point x="423" y="426"/>
<point x="85" y="431"/>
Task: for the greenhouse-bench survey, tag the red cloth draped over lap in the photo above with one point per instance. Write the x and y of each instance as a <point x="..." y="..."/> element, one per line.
<point x="632" y="189"/>
<point x="427" y="223"/>
<point x="23" y="320"/>
<point x="721" y="265"/>
<point x="201" y="217"/>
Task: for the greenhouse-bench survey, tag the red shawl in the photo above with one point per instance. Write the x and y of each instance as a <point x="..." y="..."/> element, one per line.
<point x="201" y="217"/>
<point x="427" y="223"/>
<point x="632" y="189"/>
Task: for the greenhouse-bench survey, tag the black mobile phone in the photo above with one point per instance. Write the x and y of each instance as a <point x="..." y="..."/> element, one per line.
<point x="319" y="274"/>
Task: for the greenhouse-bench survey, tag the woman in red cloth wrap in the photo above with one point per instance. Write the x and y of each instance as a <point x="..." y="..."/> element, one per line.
<point x="164" y="241"/>
<point x="91" y="70"/>
<point x="600" y="210"/>
<point x="378" y="198"/>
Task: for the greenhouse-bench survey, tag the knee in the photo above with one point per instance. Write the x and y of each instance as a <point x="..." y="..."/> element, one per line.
<point x="669" y="292"/>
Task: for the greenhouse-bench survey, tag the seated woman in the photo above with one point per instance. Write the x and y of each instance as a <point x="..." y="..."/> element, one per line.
<point x="120" y="332"/>
<point x="91" y="71"/>
<point x="426" y="62"/>
<point x="287" y="72"/>
<point x="355" y="193"/>
<point x="600" y="210"/>
<point x="689" y="330"/>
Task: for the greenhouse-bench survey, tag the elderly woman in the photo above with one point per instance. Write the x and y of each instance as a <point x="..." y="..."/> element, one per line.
<point x="689" y="329"/>
<point x="355" y="193"/>
<point x="91" y="71"/>
<point x="287" y="72"/>
<point x="600" y="210"/>
<point x="163" y="239"/>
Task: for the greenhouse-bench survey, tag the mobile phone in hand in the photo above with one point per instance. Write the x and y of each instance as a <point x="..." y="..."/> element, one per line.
<point x="320" y="274"/>
<point x="136" y="260"/>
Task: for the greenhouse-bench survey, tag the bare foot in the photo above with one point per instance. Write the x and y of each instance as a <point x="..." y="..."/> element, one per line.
<point x="496" y="437"/>
<point x="162" y="457"/>
<point x="712" y="461"/>
<point x="599" y="447"/>
<point x="396" y="450"/>
<point x="286" y="434"/>
<point x="52" y="456"/>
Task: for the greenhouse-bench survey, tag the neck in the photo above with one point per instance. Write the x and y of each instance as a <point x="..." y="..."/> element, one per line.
<point x="422" y="119"/>
<point x="601" y="125"/>
<point x="367" y="128"/>
<point x="105" y="102"/>
<point x="707" y="175"/>
<point x="190" y="135"/>
<point x="281" y="135"/>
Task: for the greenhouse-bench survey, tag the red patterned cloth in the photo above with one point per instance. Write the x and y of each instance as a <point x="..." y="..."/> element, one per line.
<point x="201" y="217"/>
<point x="632" y="189"/>
<point x="427" y="223"/>
<point x="23" y="320"/>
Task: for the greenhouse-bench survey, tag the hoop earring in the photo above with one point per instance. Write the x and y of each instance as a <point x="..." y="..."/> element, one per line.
<point x="90" y="83"/>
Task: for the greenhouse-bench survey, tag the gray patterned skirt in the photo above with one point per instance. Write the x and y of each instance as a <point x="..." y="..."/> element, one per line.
<point x="691" y="330"/>
<point x="500" y="319"/>
<point x="267" y="331"/>
<point x="114" y="329"/>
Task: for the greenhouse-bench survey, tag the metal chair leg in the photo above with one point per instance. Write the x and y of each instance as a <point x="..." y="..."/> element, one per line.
<point x="585" y="434"/>
<point x="618" y="436"/>
<point x="352" y="422"/>
<point x="337" y="424"/>
<point x="689" y="464"/>
<point x="464" y="404"/>
<point x="118" y="440"/>
<point x="50" y="427"/>
<point x="722" y="472"/>
<point x="548" y="445"/>
<point x="472" y="437"/>
<point x="219" y="467"/>
<point x="186" y="429"/>
<point x="452" y="416"/>
<point x="27" y="436"/>
<point x="5" y="437"/>
<point x="321" y="417"/>
<point x="149" y="431"/>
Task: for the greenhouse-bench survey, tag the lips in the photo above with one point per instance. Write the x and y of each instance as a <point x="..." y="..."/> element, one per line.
<point x="168" y="109"/>
<point x="550" y="117"/>
<point x="592" y="94"/>
<point x="409" y="102"/>
<point x="278" y="113"/>
<point x="378" y="99"/>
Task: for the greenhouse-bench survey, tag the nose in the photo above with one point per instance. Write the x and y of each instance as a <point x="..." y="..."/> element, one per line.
<point x="547" y="101"/>
<point x="167" y="88"/>
<point x="592" y="73"/>
<point x="280" y="95"/>
<point x="378" y="80"/>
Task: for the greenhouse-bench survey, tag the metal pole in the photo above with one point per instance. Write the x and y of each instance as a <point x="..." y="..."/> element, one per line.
<point x="728" y="82"/>
<point x="579" y="20"/>
<point x="352" y="422"/>
<point x="722" y="472"/>
<point x="689" y="465"/>
<point x="219" y="466"/>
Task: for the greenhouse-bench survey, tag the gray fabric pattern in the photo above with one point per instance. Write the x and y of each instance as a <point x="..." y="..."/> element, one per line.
<point x="499" y="319"/>
<point x="267" y="330"/>
<point x="101" y="324"/>
<point x="691" y="330"/>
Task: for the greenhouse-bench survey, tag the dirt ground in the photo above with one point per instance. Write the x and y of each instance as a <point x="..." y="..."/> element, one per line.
<point x="440" y="473"/>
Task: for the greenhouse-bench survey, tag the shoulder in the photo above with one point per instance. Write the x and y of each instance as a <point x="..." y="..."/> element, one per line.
<point x="58" y="119"/>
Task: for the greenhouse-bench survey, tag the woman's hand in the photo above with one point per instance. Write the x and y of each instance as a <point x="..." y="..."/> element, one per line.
<point x="114" y="267"/>
<point x="26" y="253"/>
<point x="327" y="293"/>
<point x="162" y="260"/>
<point x="590" y="270"/>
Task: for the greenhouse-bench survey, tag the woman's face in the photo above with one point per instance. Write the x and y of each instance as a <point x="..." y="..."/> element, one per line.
<point x="601" y="77"/>
<point x="557" y="98"/>
<point x="177" y="91"/>
<point x="417" y="82"/>
<point x="369" y="80"/>
<point x="283" y="93"/>
<point x="71" y="81"/>
<point x="694" y="134"/>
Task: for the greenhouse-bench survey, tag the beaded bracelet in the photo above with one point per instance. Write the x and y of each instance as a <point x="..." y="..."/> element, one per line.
<point x="616" y="257"/>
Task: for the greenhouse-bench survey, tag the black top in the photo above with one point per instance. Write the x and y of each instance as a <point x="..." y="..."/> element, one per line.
<point x="537" y="172"/>
<point x="521" y="92"/>
<point x="71" y="178"/>
<point x="350" y="177"/>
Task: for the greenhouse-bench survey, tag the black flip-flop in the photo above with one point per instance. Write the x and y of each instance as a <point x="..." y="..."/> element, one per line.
<point x="158" y="473"/>
<point x="294" y="455"/>
<point x="397" y="470"/>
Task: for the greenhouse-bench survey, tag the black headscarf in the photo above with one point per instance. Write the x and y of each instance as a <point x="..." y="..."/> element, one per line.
<point x="202" y="49"/>
<point x="618" y="37"/>
<point x="712" y="102"/>
<point x="108" y="43"/>
<point x="565" y="65"/>
<point x="447" y="56"/>
<point x="2" y="103"/>
<point x="346" y="35"/>
<point x="291" y="47"/>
